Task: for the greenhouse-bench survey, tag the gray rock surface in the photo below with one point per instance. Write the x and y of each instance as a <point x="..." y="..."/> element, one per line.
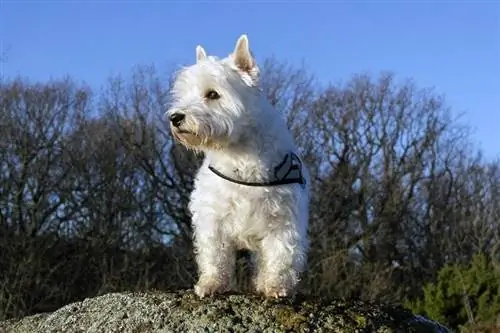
<point x="182" y="311"/>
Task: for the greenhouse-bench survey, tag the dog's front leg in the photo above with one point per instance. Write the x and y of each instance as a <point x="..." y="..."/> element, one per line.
<point x="282" y="259"/>
<point x="215" y="258"/>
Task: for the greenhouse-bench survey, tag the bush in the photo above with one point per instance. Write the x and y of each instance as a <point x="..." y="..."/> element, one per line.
<point x="464" y="295"/>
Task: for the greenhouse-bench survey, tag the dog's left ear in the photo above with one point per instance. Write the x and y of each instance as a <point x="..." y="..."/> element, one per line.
<point x="200" y="53"/>
<point x="244" y="59"/>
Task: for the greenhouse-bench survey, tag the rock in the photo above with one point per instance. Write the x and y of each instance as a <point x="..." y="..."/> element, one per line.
<point x="182" y="311"/>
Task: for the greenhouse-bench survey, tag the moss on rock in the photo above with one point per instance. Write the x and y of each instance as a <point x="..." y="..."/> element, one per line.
<point x="182" y="311"/>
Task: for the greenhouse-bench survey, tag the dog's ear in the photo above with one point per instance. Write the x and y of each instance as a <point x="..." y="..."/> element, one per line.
<point x="244" y="59"/>
<point x="200" y="53"/>
<point x="242" y="56"/>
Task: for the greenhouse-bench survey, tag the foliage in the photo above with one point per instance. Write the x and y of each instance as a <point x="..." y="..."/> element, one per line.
<point x="463" y="294"/>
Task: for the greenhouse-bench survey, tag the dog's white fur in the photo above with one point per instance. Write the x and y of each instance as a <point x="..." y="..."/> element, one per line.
<point x="243" y="137"/>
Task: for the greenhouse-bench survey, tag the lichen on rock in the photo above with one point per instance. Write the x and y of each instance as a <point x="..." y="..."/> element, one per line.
<point x="182" y="311"/>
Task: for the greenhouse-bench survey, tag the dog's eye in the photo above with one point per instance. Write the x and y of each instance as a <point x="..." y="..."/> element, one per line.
<point x="212" y="94"/>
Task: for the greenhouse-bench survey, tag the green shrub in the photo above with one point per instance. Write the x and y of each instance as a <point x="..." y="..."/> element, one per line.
<point x="461" y="292"/>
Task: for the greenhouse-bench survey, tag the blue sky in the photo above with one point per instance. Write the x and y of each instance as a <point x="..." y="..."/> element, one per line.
<point x="452" y="46"/>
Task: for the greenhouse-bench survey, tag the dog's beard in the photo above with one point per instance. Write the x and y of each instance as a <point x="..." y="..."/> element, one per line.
<point x="201" y="136"/>
<point x="189" y="139"/>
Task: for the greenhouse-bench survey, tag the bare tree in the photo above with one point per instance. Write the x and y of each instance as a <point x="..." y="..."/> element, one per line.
<point x="383" y="149"/>
<point x="34" y="120"/>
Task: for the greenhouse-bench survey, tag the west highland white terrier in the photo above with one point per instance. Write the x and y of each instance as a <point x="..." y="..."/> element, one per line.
<point x="252" y="190"/>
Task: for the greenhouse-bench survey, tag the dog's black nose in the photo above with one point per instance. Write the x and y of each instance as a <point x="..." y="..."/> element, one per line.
<point x="176" y="119"/>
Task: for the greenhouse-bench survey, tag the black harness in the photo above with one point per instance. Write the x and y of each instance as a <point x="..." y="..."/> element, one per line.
<point x="289" y="171"/>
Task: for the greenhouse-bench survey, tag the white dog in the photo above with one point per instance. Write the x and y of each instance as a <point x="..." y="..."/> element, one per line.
<point x="252" y="190"/>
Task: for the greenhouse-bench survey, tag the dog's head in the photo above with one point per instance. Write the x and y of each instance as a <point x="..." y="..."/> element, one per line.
<point x="213" y="99"/>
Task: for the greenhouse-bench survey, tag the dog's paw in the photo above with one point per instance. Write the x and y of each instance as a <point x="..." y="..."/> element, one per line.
<point x="209" y="287"/>
<point x="276" y="291"/>
<point x="277" y="284"/>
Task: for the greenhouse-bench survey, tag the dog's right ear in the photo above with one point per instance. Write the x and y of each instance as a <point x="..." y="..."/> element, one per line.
<point x="200" y="53"/>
